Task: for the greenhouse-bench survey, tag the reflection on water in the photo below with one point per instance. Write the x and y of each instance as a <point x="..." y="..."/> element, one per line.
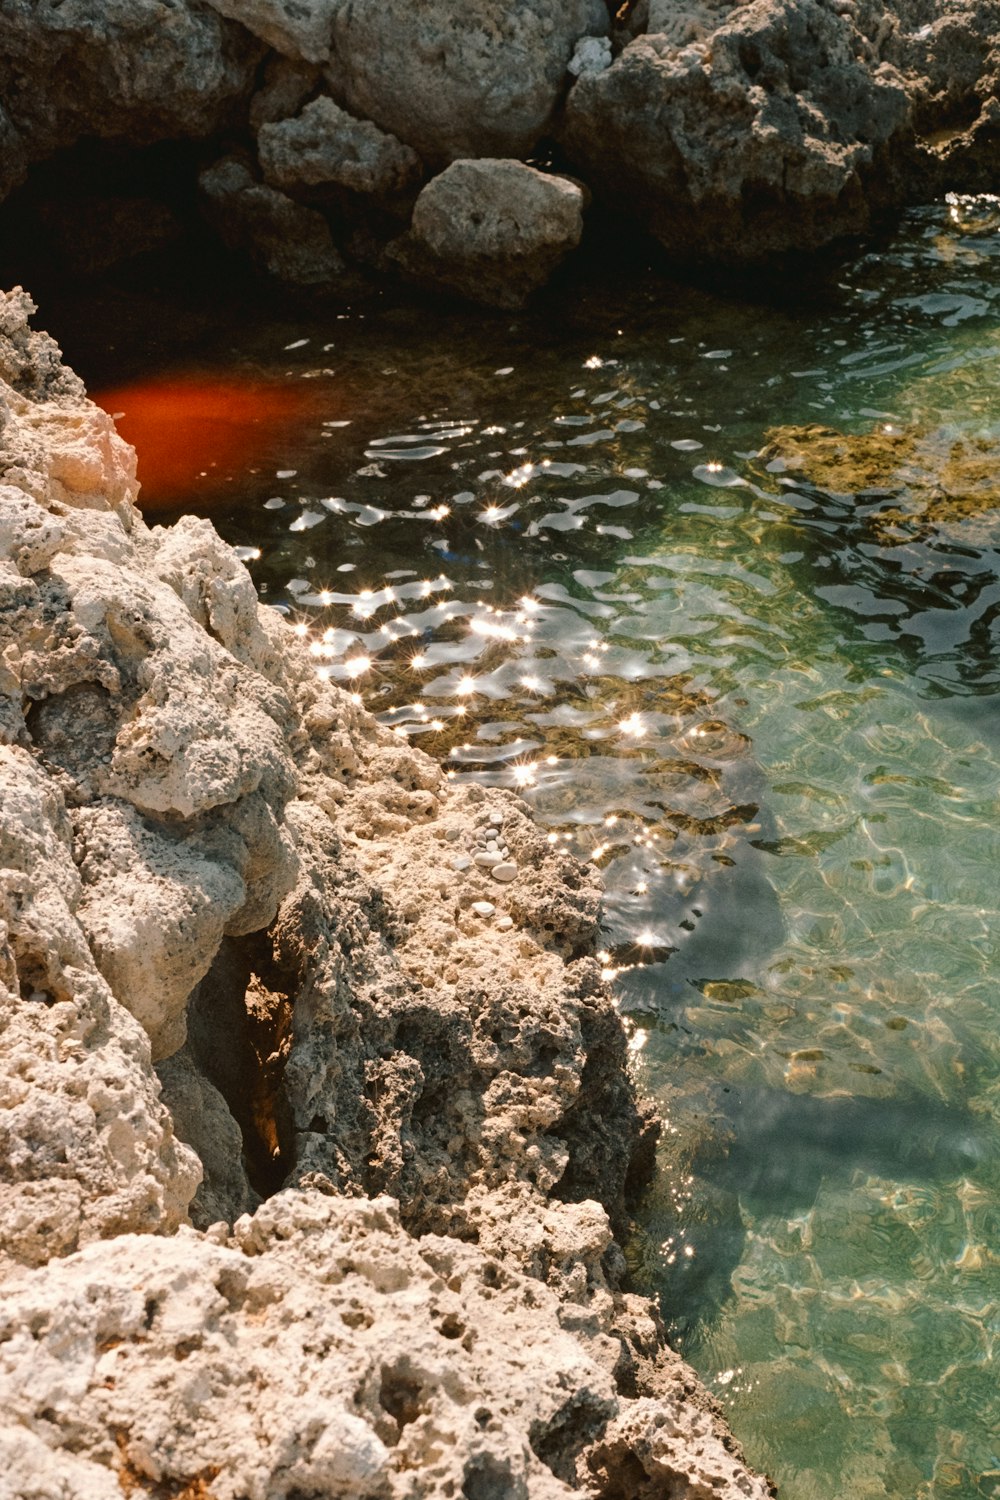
<point x="558" y="564"/>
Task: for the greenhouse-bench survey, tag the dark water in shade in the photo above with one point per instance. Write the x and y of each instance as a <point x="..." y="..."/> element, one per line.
<point x="545" y="551"/>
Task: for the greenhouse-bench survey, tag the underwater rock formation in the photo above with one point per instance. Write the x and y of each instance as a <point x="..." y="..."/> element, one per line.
<point x="360" y="1242"/>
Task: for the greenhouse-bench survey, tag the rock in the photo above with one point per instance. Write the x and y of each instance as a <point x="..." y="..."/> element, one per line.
<point x="326" y="145"/>
<point x="320" y="1351"/>
<point x="485" y="82"/>
<point x="298" y="29"/>
<point x="505" y="871"/>
<point x="285" y="239"/>
<point x="224" y="819"/>
<point x="494" y="231"/>
<point x="133" y="70"/>
<point x="775" y="137"/>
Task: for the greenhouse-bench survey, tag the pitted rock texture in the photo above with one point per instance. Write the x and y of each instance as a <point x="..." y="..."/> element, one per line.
<point x="320" y="1351"/>
<point x="481" y="79"/>
<point x="212" y="859"/>
<point x="738" y="132"/>
<point x="325" y="145"/>
<point x="299" y="29"/>
<point x="133" y="70"/>
<point x="493" y="231"/>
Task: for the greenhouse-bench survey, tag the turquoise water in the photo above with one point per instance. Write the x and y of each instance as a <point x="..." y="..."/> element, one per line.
<point x="546" y="551"/>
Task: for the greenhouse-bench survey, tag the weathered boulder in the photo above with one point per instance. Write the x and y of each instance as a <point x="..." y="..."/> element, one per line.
<point x="285" y="87"/>
<point x="765" y="138"/>
<point x="325" y="145"/>
<point x="491" y="230"/>
<point x="298" y="29"/>
<point x="134" y="70"/>
<point x="483" y="79"/>
<point x="285" y="239"/>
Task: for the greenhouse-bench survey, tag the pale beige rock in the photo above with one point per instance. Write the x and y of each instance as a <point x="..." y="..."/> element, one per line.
<point x="493" y="230"/>
<point x="482" y="80"/>
<point x="325" y="145"/>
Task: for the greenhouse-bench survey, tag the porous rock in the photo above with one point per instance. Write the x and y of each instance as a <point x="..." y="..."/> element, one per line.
<point x="492" y="230"/>
<point x="764" y="138"/>
<point x="482" y="79"/>
<point x="224" y="820"/>
<point x="325" y="145"/>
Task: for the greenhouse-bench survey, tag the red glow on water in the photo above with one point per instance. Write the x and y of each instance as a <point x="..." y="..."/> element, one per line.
<point x="195" y="434"/>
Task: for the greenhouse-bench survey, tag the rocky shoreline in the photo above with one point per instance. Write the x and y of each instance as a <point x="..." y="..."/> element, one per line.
<point x="333" y="141"/>
<point x="316" y="1123"/>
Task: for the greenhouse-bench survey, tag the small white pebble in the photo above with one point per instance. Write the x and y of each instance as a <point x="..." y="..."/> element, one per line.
<point x="487" y="858"/>
<point x="496" y="818"/>
<point x="483" y="908"/>
<point x="504" y="871"/>
<point x="451" y="834"/>
<point x="461" y="862"/>
<point x="492" y="844"/>
<point x="504" y="924"/>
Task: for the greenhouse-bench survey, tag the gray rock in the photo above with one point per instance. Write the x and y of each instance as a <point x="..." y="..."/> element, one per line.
<point x="286" y="239"/>
<point x="480" y="80"/>
<point x="772" y="139"/>
<point x="299" y="29"/>
<point x="505" y="871"/>
<point x="493" y="231"/>
<point x="324" y="144"/>
<point x="286" y="87"/>
<point x="130" y="70"/>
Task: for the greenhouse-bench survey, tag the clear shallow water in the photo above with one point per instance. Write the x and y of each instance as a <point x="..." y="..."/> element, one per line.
<point x="546" y="552"/>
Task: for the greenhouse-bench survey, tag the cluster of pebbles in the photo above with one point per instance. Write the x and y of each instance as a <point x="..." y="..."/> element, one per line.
<point x="490" y="854"/>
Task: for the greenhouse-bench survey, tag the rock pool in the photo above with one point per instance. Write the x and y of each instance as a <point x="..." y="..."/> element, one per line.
<point x="715" y="583"/>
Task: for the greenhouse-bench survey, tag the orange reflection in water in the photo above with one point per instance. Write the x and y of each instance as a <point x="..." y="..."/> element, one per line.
<point x="192" y="433"/>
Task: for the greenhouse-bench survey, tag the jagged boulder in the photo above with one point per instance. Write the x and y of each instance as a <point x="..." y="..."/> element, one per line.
<point x="325" y="146"/>
<point x="764" y="138"/>
<point x="287" y="240"/>
<point x="483" y="79"/>
<point x="299" y="29"/>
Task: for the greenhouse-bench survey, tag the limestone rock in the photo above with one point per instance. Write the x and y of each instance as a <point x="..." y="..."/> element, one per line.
<point x="297" y="28"/>
<point x="326" y="145"/>
<point x="185" y="805"/>
<point x="285" y="239"/>
<point x="481" y="80"/>
<point x="767" y="137"/>
<point x="492" y="230"/>
<point x="131" y="69"/>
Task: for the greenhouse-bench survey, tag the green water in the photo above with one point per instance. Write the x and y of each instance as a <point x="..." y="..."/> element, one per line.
<point x="544" y="551"/>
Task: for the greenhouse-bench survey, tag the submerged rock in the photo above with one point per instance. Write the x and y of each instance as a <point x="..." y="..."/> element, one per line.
<point x="493" y="231"/>
<point x="481" y="80"/>
<point x="209" y="853"/>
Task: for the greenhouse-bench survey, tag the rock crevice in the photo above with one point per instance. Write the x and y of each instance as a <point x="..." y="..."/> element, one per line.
<point x="309" y="1168"/>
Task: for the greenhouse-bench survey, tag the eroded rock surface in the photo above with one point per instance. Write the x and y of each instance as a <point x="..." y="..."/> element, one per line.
<point x="493" y="231"/>
<point x="212" y="858"/>
<point x="326" y="145"/>
<point x="482" y="79"/>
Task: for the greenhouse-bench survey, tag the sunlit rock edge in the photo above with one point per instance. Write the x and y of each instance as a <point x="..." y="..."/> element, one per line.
<point x="360" y="1241"/>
